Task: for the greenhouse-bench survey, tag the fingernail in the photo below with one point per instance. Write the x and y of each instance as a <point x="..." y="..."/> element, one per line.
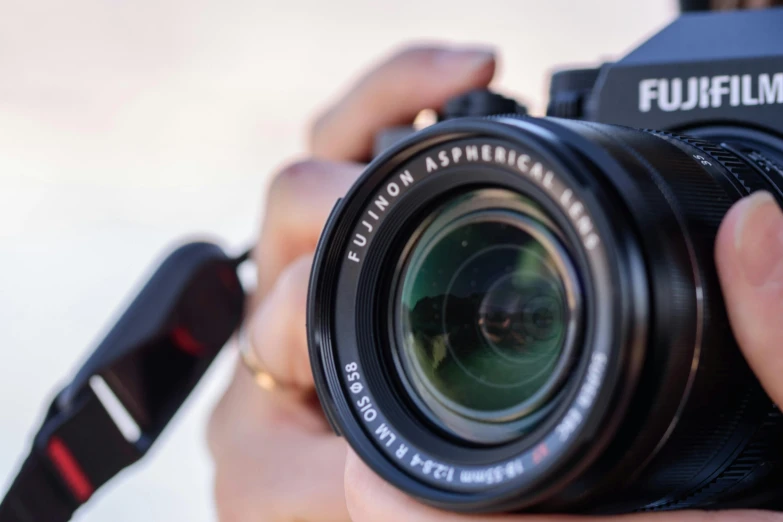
<point x="758" y="239"/>
<point x="463" y="59"/>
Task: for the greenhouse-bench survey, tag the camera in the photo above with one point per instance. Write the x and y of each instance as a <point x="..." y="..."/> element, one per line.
<point x="510" y="313"/>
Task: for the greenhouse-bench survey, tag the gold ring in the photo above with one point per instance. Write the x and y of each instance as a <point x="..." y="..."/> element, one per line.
<point x="252" y="362"/>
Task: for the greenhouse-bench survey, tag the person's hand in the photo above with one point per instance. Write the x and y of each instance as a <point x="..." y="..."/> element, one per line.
<point x="749" y="255"/>
<point x="276" y="459"/>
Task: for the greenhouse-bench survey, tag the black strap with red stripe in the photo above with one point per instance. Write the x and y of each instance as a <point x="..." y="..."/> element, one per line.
<point x="36" y="494"/>
<point x="148" y="364"/>
<point x="71" y="457"/>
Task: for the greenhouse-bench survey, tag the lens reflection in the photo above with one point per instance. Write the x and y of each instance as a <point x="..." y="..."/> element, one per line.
<point x="484" y="313"/>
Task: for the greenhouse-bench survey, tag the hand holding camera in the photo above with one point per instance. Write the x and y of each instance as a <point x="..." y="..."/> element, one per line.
<point x="514" y="313"/>
<point x="500" y="314"/>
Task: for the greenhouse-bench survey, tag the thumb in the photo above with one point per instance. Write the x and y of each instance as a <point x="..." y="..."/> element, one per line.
<point x="749" y="256"/>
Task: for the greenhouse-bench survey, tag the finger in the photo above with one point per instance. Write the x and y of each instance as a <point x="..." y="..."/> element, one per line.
<point x="371" y="499"/>
<point x="277" y="336"/>
<point x="298" y="203"/>
<point x="749" y="255"/>
<point x="394" y="93"/>
<point x="293" y="479"/>
<point x="268" y="466"/>
<point x="277" y="330"/>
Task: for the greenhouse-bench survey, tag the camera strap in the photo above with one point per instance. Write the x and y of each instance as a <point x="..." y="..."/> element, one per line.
<point x="131" y="386"/>
<point x="74" y="453"/>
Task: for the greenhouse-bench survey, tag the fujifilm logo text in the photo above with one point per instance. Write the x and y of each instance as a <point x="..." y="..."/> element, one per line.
<point x="710" y="92"/>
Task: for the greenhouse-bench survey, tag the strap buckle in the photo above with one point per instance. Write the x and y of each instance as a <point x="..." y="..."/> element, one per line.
<point x="83" y="445"/>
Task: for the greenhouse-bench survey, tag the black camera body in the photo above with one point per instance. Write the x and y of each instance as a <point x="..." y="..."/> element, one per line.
<point x="523" y="314"/>
<point x="703" y="71"/>
<point x="713" y="75"/>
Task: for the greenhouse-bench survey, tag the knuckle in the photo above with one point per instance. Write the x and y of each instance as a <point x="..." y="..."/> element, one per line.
<point x="292" y="175"/>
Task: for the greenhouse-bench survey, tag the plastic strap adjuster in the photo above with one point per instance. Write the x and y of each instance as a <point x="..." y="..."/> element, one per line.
<point x="83" y="446"/>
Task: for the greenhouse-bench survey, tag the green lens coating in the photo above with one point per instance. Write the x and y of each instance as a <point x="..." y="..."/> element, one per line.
<point x="485" y="308"/>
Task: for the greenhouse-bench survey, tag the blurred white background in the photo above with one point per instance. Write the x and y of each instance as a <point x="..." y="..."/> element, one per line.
<point x="126" y="125"/>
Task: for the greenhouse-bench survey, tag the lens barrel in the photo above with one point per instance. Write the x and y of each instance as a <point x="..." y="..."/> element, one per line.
<point x="524" y="313"/>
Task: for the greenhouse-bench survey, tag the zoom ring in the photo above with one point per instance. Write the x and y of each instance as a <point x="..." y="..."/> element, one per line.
<point x="704" y="443"/>
<point x="743" y="175"/>
<point x="699" y="436"/>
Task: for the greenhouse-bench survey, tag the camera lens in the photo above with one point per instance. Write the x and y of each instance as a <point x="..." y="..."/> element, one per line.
<point x="487" y="314"/>
<point x="518" y="313"/>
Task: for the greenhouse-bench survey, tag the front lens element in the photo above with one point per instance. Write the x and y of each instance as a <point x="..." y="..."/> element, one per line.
<point x="487" y="311"/>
